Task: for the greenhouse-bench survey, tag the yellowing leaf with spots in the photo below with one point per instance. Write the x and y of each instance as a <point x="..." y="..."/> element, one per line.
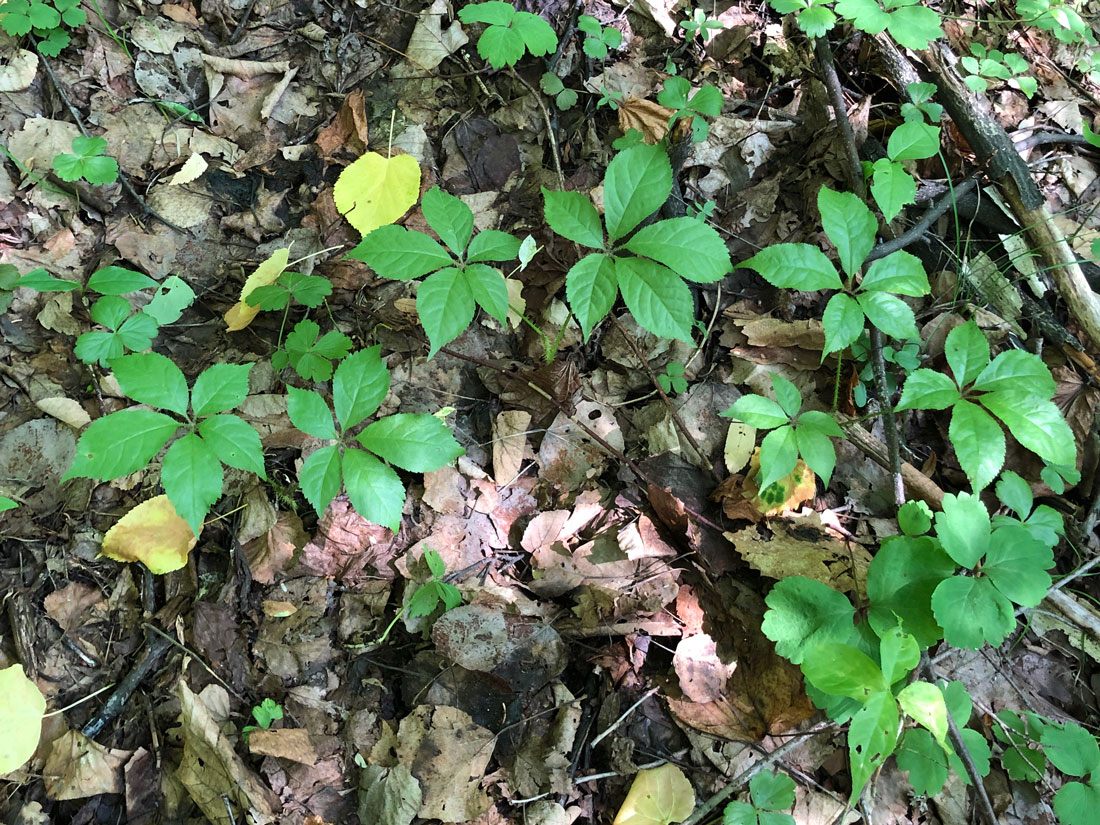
<point x="152" y="533"/>
<point x="240" y="315"/>
<point x="21" y="709"/>
<point x="375" y="191"/>
<point x="786" y="494"/>
<point x="658" y="796"/>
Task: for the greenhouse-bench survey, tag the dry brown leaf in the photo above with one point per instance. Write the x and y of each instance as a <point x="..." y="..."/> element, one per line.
<point x="78" y="767"/>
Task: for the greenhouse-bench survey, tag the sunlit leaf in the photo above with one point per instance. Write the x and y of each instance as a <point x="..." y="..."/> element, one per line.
<point x="240" y="315"/>
<point x="657" y="796"/>
<point x="21" y="709"/>
<point x="375" y="191"/>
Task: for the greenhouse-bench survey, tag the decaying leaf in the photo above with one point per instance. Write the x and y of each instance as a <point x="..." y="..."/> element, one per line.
<point x="77" y="767"/>
<point x="152" y="533"/>
<point x="21" y="708"/>
<point x="658" y="796"/>
<point x="375" y="191"/>
<point x="240" y="315"/>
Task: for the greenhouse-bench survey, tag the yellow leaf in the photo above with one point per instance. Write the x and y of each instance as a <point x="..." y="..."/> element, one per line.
<point x="240" y="315"/>
<point x="21" y="709"/>
<point x="658" y="796"/>
<point x="375" y="191"/>
<point x="786" y="494"/>
<point x="152" y="533"/>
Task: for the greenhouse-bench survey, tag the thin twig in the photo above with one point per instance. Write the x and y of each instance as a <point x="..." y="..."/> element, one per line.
<point x="824" y="54"/>
<point x="893" y="448"/>
<point x="622" y="718"/>
<point x="680" y="425"/>
<point x="555" y="154"/>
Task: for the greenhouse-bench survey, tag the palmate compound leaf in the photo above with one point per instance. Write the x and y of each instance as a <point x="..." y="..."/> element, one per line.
<point x="375" y="191"/>
<point x="192" y="478"/>
<point x="152" y="533"/>
<point x="120" y="443"/>
<point x="638" y="180"/>
<point x="1036" y="423"/>
<point x="359" y="386"/>
<point x="417" y="443"/>
<point x="22" y="707"/>
<point x="979" y="443"/>
<point x="452" y="220"/>
<point x="241" y="314"/>
<point x="374" y="489"/>
<point x="657" y="796"/>
<point x="309" y="413"/>
<point x="572" y="215"/>
<point x="803" y="613"/>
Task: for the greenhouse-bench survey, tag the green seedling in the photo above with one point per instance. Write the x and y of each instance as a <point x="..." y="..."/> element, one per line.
<point x="851" y="226"/>
<point x="460" y="279"/>
<point x="552" y="85"/>
<point x="793" y="433"/>
<point x="649" y="268"/>
<point x="983" y="65"/>
<point x="1015" y="388"/>
<point x="265" y="713"/>
<point x="7" y="504"/>
<point x="907" y="359"/>
<point x="673" y="381"/>
<point x="126" y="441"/>
<point x="701" y="25"/>
<point x="704" y="213"/>
<point x="599" y="39"/>
<point x="416" y="443"/>
<point x="707" y="102"/>
<point x="609" y="98"/>
<point x="429" y="595"/>
<point x="768" y="794"/>
<point x="46" y="20"/>
<point x="87" y="162"/>
<point x="508" y="33"/>
<point x="311" y="356"/>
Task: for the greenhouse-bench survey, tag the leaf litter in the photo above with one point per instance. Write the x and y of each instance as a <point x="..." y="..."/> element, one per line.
<point x="583" y="590"/>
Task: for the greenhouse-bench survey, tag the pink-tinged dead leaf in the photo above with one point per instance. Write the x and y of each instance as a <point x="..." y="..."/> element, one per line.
<point x="702" y="674"/>
<point x="152" y="533"/>
<point x="68" y="605"/>
<point x="286" y="743"/>
<point x="445" y="491"/>
<point x="689" y="611"/>
<point x="77" y="767"/>
<point x="270" y="554"/>
<point x="347" y="547"/>
<point x="210" y="770"/>
<point x="448" y="753"/>
<point x="568" y="456"/>
<point x="504" y="506"/>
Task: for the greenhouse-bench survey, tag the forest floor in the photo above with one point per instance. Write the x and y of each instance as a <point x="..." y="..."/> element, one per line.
<point x="615" y="597"/>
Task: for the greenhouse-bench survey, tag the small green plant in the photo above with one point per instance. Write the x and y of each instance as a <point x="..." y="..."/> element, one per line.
<point x="87" y="162"/>
<point x="508" y="32"/>
<point x="768" y="794"/>
<point x="649" y="268"/>
<point x="1060" y="17"/>
<point x="906" y="358"/>
<point x="707" y="102"/>
<point x="7" y="504"/>
<point x="46" y="20"/>
<point x="983" y="65"/>
<point x="126" y="330"/>
<point x="429" y="595"/>
<point x="126" y="441"/>
<point x="552" y="85"/>
<point x="673" y="381"/>
<point x="851" y="226"/>
<point x="892" y="186"/>
<point x="704" y="213"/>
<point x="310" y="353"/>
<point x="1015" y="387"/>
<point x="417" y="443"/>
<point x="609" y="98"/>
<point x="265" y="713"/>
<point x="793" y="433"/>
<point x="909" y="23"/>
<point x="701" y="25"/>
<point x="448" y="298"/>
<point x="599" y="39"/>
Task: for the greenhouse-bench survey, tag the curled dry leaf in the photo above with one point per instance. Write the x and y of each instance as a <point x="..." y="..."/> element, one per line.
<point x="152" y="533"/>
